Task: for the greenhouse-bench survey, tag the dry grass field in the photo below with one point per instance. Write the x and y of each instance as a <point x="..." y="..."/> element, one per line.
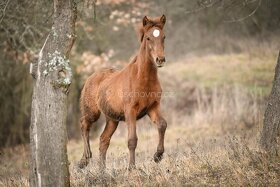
<point x="214" y="107"/>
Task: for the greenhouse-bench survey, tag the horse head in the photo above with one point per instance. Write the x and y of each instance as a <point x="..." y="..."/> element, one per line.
<point x="152" y="35"/>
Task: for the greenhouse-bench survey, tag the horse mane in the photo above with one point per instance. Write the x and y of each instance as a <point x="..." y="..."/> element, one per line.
<point x="151" y="23"/>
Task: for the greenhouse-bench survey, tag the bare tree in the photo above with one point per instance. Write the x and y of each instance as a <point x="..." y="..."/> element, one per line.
<point x="52" y="75"/>
<point x="270" y="136"/>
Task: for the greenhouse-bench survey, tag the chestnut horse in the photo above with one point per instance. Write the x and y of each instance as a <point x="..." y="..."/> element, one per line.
<point x="127" y="95"/>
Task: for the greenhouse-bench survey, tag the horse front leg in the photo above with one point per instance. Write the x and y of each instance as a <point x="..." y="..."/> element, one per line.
<point x="157" y="118"/>
<point x="132" y="136"/>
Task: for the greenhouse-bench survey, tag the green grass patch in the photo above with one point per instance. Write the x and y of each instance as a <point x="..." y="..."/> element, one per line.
<point x="254" y="73"/>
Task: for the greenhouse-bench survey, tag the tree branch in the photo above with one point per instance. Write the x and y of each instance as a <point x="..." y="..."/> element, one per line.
<point x="246" y="17"/>
<point x="4" y="11"/>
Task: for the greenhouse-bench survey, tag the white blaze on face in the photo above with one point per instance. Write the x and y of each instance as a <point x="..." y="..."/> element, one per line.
<point x="156" y="33"/>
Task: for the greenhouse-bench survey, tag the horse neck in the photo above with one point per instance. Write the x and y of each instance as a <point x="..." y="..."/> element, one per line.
<point x="145" y="65"/>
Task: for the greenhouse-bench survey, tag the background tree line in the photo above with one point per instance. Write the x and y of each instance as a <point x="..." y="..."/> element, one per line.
<point x="193" y="26"/>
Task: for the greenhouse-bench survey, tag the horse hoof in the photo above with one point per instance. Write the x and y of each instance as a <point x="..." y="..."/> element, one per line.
<point x="158" y="157"/>
<point x="83" y="163"/>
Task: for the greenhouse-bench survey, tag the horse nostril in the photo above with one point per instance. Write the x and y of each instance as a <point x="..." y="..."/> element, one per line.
<point x="160" y="59"/>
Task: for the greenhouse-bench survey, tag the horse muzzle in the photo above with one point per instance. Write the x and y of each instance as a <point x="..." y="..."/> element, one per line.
<point x="160" y="61"/>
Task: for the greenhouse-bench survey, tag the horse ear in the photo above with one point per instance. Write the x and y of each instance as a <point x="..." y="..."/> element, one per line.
<point x="145" y="21"/>
<point x="163" y="19"/>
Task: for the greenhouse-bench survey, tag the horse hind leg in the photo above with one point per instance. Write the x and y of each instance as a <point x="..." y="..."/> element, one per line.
<point x="105" y="138"/>
<point x="85" y="124"/>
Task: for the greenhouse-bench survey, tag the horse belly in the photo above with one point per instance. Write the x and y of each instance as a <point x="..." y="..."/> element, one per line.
<point x="117" y="114"/>
<point x="113" y="114"/>
<point x="109" y="103"/>
<point x="142" y="113"/>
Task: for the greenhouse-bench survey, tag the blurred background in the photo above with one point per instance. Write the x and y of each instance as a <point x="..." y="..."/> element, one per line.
<point x="212" y="48"/>
<point x="220" y="56"/>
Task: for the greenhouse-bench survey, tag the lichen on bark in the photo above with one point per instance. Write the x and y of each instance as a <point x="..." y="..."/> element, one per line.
<point x="60" y="66"/>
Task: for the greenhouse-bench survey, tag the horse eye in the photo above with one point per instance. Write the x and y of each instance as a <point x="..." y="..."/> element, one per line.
<point x="148" y="38"/>
<point x="164" y="37"/>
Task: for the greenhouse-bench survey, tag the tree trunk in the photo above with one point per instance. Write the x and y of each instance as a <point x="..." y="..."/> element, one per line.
<point x="52" y="75"/>
<point x="270" y="136"/>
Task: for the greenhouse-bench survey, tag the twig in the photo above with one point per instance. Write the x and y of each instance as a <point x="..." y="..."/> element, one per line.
<point x="4" y="11"/>
<point x="246" y="17"/>
<point x="94" y="9"/>
<point x="201" y="8"/>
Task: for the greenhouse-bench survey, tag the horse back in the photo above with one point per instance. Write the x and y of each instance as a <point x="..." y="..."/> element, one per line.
<point x="91" y="87"/>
